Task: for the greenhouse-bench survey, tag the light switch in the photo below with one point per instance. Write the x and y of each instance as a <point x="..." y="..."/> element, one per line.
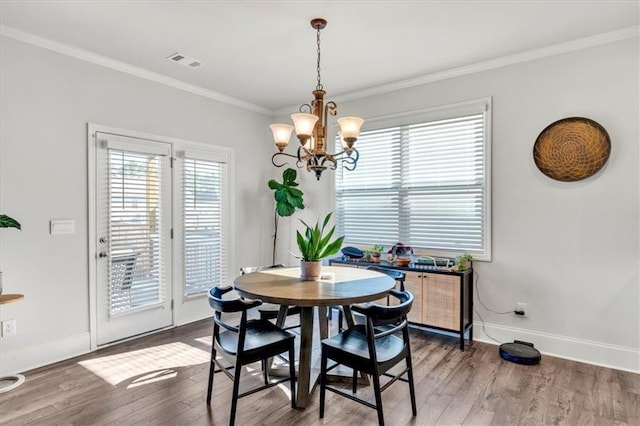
<point x="62" y="226"/>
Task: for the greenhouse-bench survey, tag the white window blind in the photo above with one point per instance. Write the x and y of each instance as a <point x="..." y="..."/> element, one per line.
<point x="204" y="189"/>
<point x="423" y="183"/>
<point x="134" y="224"/>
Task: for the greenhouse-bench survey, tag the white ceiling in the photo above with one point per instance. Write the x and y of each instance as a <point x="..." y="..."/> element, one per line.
<point x="263" y="53"/>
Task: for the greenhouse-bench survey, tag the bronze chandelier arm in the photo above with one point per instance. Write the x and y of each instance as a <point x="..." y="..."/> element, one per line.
<point x="273" y="158"/>
<point x="329" y="109"/>
<point x="351" y="161"/>
<point x="320" y="161"/>
<point x="306" y="108"/>
<point x="348" y="157"/>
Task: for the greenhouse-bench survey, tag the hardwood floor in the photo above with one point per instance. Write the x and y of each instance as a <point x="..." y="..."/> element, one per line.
<point x="162" y="379"/>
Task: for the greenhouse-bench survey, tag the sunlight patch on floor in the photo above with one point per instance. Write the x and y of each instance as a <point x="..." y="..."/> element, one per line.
<point x="204" y="340"/>
<point x="147" y="365"/>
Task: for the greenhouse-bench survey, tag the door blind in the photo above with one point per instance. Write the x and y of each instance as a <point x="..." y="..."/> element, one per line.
<point x="204" y="183"/>
<point x="134" y="224"/>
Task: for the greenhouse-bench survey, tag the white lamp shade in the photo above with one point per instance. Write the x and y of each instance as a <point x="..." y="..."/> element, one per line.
<point x="350" y="126"/>
<point x="304" y="123"/>
<point x="281" y="133"/>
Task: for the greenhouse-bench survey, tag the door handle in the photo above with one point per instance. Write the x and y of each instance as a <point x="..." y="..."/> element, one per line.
<point x="103" y="254"/>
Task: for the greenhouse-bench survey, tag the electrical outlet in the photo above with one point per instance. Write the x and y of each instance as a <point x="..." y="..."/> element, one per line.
<point x="8" y="328"/>
<point x="521" y="307"/>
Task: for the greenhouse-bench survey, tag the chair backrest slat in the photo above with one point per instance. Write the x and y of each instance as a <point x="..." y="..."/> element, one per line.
<point x="378" y="315"/>
<point x="221" y="305"/>
<point x="387" y="314"/>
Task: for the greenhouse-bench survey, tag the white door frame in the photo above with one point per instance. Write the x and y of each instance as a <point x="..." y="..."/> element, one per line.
<point x="185" y="309"/>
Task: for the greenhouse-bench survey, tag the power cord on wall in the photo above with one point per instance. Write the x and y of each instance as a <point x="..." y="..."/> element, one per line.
<point x="477" y="281"/>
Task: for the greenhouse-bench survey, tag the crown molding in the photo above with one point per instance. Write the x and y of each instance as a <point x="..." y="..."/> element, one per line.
<point x="557" y="49"/>
<point x="583" y="43"/>
<point x="107" y="62"/>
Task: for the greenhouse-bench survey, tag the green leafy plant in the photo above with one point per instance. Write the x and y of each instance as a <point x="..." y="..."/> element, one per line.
<point x="8" y="222"/>
<point x="314" y="244"/>
<point x="377" y="248"/>
<point x="463" y="262"/>
<point x="288" y="199"/>
<point x="374" y="251"/>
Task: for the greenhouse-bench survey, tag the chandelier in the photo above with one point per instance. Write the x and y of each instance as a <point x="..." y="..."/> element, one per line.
<point x="311" y="129"/>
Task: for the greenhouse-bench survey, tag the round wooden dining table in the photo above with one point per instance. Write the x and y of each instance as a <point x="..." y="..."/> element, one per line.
<point x="338" y="286"/>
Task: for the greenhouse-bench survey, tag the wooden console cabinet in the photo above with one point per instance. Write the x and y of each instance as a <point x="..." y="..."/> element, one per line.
<point x="443" y="300"/>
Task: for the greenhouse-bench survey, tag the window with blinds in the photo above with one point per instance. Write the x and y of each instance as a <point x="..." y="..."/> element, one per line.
<point x="423" y="182"/>
<point x="134" y="223"/>
<point x="203" y="196"/>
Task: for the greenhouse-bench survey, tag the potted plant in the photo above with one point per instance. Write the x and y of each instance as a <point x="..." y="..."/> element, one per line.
<point x="399" y="250"/>
<point x="375" y="252"/>
<point x="288" y="199"/>
<point x="315" y="245"/>
<point x="7" y="222"/>
<point x="463" y="262"/>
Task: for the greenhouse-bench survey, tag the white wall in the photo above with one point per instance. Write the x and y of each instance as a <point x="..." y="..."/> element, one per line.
<point x="568" y="250"/>
<point x="47" y="101"/>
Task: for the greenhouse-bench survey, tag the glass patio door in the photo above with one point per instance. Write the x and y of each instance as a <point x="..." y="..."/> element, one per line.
<point x="133" y="221"/>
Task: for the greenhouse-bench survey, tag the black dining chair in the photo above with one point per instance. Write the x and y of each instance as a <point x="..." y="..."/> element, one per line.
<point x="399" y="276"/>
<point x="372" y="348"/>
<point x="248" y="342"/>
<point x="269" y="311"/>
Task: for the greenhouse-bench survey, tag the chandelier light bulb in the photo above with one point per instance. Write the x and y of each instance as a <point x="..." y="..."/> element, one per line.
<point x="281" y="135"/>
<point x="304" y="124"/>
<point x="346" y="146"/>
<point x="350" y="128"/>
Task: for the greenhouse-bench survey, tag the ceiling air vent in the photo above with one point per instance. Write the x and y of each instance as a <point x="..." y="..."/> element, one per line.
<point x="185" y="60"/>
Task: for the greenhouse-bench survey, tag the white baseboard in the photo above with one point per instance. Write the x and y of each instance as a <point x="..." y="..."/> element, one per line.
<point x="611" y="356"/>
<point x="30" y="357"/>
<point x="606" y="355"/>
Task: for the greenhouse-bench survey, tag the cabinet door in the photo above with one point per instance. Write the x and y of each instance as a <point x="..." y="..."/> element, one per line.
<point x="441" y="300"/>
<point x="413" y="284"/>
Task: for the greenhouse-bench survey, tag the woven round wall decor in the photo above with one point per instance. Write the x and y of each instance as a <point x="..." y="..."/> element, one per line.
<point x="572" y="149"/>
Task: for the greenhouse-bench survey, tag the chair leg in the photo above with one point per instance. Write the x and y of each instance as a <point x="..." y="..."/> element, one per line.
<point x="376" y="389"/>
<point x="354" y="384"/>
<point x="323" y="380"/>
<point x="412" y="390"/>
<point x="265" y="371"/>
<point x="292" y="374"/>
<point x="234" y="396"/>
<point x="212" y="367"/>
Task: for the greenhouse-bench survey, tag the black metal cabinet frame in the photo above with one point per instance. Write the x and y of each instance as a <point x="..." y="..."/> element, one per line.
<point x="465" y="280"/>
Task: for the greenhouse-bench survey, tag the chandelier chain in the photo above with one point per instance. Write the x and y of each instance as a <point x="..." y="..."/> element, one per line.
<point x="319" y="85"/>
